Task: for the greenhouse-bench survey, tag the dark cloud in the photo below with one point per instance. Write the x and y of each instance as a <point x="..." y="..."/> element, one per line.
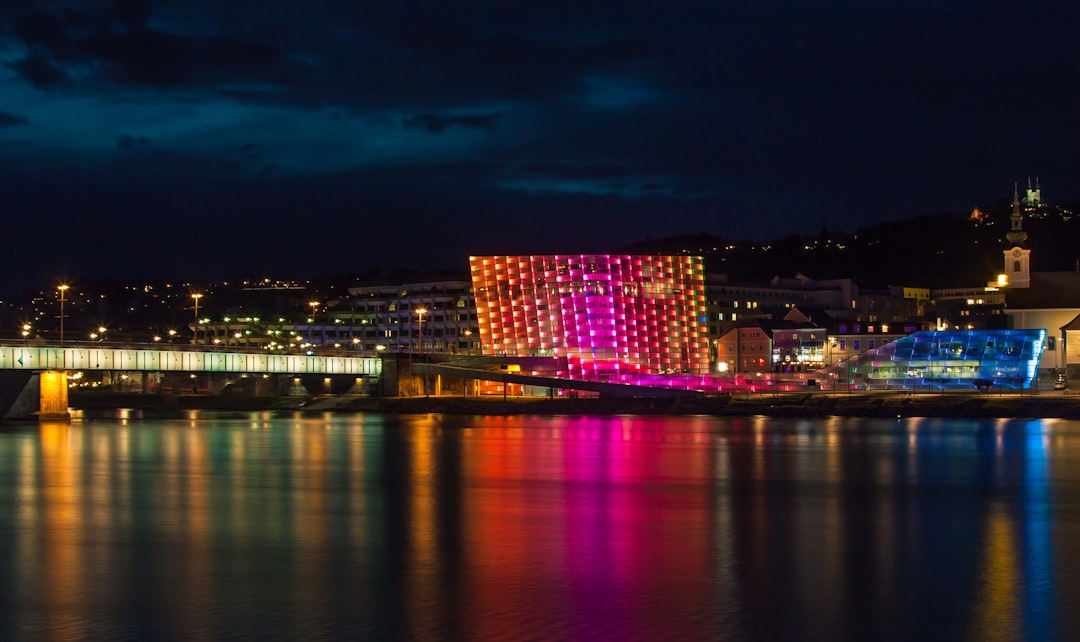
<point x="579" y="172"/>
<point x="119" y="46"/>
<point x="11" y="120"/>
<point x="128" y="142"/>
<point x="744" y="119"/>
<point x="41" y="29"/>
<point x="39" y="71"/>
<point x="438" y="123"/>
<point x="132" y="13"/>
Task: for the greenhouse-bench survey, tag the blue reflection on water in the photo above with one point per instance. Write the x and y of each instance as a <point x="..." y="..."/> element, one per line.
<point x="507" y="528"/>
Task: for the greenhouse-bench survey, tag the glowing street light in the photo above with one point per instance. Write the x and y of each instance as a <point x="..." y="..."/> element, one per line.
<point x="63" y="287"/>
<point x="420" y="312"/>
<point x="196" y="296"/>
<point x="311" y="327"/>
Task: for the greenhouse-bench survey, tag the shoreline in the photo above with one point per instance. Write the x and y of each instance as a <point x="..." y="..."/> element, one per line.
<point x="1041" y="406"/>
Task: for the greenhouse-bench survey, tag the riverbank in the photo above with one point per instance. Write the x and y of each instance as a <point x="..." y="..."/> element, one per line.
<point x="1047" y="405"/>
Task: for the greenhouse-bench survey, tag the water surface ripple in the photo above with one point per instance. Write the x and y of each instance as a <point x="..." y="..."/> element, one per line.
<point x="266" y="526"/>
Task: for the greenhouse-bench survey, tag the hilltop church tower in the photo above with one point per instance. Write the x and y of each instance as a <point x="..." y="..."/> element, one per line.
<point x="1033" y="200"/>
<point x="1017" y="258"/>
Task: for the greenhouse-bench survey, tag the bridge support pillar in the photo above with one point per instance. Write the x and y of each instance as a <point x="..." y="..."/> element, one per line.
<point x="54" y="396"/>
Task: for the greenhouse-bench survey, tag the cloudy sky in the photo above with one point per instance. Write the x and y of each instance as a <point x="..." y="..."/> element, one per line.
<point x="190" y="137"/>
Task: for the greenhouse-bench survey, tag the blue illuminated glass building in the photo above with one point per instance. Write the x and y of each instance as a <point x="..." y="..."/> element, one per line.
<point x="944" y="359"/>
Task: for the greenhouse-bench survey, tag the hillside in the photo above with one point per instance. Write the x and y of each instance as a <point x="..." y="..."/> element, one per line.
<point x="938" y="250"/>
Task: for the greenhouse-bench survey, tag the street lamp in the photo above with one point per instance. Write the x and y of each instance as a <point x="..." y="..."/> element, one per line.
<point x="63" y="287"/>
<point x="195" y="330"/>
<point x="311" y="328"/>
<point x="420" y="312"/>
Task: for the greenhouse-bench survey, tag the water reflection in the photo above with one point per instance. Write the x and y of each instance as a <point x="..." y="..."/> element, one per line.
<point x="506" y="528"/>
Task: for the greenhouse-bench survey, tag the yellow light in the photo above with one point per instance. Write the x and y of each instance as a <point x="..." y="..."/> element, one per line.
<point x="1003" y="280"/>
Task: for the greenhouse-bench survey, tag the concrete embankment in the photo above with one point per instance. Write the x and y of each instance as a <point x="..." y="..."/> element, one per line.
<point x="803" y="405"/>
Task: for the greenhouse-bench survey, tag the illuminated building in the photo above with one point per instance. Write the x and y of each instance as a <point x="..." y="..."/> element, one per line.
<point x="950" y="359"/>
<point x="609" y="316"/>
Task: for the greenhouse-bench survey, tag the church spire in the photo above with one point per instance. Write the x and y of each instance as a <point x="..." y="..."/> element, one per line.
<point x="1016" y="234"/>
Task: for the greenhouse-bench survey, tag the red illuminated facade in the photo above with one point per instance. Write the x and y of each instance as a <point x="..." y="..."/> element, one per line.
<point x="610" y="316"/>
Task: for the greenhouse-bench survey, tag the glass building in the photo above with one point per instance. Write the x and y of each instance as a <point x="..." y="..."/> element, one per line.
<point x="946" y="359"/>
<point x="610" y="316"/>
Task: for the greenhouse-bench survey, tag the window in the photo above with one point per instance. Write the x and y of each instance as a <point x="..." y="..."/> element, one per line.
<point x="843" y="344"/>
<point x="1051" y="343"/>
<point x="855" y="345"/>
<point x="870" y="344"/>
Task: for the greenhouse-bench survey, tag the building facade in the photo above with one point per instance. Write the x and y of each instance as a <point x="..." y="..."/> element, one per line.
<point x="949" y="359"/>
<point x="607" y="315"/>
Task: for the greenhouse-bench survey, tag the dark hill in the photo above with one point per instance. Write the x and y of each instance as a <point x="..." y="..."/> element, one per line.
<point x="938" y="250"/>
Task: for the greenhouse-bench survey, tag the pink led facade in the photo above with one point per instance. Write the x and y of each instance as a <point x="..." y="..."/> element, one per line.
<point x="609" y="316"/>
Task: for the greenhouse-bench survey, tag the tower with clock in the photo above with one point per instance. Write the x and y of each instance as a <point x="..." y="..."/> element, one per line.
<point x="1017" y="258"/>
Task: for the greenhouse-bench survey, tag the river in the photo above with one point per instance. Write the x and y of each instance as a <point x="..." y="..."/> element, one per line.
<point x="433" y="527"/>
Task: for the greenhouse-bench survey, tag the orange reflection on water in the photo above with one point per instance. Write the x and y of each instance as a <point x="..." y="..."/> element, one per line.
<point x="997" y="608"/>
<point x="59" y="527"/>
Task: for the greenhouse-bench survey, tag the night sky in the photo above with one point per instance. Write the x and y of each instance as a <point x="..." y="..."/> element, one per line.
<point x="200" y="139"/>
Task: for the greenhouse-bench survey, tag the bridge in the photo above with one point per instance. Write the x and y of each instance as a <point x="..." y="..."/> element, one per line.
<point x="145" y="359"/>
<point x="43" y="385"/>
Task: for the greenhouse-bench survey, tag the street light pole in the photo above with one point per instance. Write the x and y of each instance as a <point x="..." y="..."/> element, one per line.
<point x="63" y="287"/>
<point x="195" y="330"/>
<point x="311" y="328"/>
<point x="420" y="312"/>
